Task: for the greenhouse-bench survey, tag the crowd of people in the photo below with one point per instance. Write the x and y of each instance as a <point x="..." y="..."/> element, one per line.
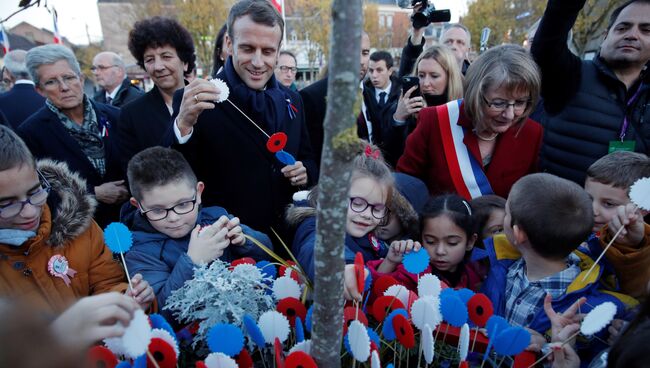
<point x="449" y="160"/>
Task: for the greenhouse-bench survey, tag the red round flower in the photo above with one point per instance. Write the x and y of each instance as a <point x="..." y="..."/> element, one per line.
<point x="524" y="359"/>
<point x="245" y="260"/>
<point x="350" y="314"/>
<point x="276" y="142"/>
<point x="359" y="272"/>
<point x="480" y="309"/>
<point x="292" y="308"/>
<point x="300" y="359"/>
<point x="463" y="364"/>
<point x="101" y="356"/>
<point x="384" y="305"/>
<point x="290" y="271"/>
<point x="382" y="284"/>
<point x="200" y="364"/>
<point x="244" y="359"/>
<point x="404" y="331"/>
<point x="162" y="352"/>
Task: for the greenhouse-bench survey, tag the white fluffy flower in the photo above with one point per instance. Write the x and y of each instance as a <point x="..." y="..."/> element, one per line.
<point x="598" y="318"/>
<point x="223" y="88"/>
<point x="640" y="193"/>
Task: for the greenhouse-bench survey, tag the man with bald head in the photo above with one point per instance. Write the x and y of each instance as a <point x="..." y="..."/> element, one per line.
<point x="110" y="75"/>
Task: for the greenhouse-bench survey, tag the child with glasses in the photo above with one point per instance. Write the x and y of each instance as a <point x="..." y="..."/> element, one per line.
<point x="51" y="251"/>
<point x="171" y="232"/>
<point x="371" y="186"/>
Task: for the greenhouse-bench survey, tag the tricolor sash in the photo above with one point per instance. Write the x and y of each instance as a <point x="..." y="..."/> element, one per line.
<point x="466" y="172"/>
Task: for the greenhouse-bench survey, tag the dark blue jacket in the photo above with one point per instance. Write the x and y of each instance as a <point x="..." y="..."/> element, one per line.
<point x="127" y="92"/>
<point x="502" y="255"/>
<point x="163" y="261"/>
<point x="305" y="239"/>
<point x="46" y="137"/>
<point x="19" y="103"/>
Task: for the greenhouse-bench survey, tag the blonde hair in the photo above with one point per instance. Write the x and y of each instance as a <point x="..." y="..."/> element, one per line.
<point x="508" y="66"/>
<point x="447" y="61"/>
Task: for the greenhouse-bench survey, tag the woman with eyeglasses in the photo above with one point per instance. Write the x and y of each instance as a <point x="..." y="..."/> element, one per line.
<point x="486" y="142"/>
<point x="74" y="129"/>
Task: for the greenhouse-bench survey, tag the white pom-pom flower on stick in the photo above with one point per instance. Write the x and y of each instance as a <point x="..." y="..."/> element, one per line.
<point x="425" y="311"/>
<point x="285" y="287"/>
<point x="429" y="285"/>
<point x="359" y="341"/>
<point x="427" y="344"/>
<point x="274" y="324"/>
<point x="374" y="360"/>
<point x="304" y="346"/>
<point x="220" y="360"/>
<point x="136" y="338"/>
<point x="640" y="193"/>
<point x="463" y="344"/>
<point x="598" y="318"/>
<point x="400" y="292"/>
<point x="223" y="88"/>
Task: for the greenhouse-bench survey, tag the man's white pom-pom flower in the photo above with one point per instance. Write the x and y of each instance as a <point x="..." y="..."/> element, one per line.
<point x="640" y="193"/>
<point x="598" y="318"/>
<point x="223" y="88"/>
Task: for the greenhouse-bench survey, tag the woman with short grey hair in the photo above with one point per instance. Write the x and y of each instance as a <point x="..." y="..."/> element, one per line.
<point x="74" y="129"/>
<point x="486" y="142"/>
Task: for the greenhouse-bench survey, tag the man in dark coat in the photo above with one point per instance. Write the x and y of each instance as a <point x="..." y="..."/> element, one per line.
<point x="73" y="129"/>
<point x="314" y="98"/>
<point x="593" y="106"/>
<point x="110" y="74"/>
<point x="226" y="150"/>
<point x="21" y="100"/>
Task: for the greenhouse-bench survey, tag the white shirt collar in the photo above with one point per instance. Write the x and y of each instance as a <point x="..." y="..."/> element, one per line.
<point x="379" y="91"/>
<point x="24" y="81"/>
<point x="114" y="93"/>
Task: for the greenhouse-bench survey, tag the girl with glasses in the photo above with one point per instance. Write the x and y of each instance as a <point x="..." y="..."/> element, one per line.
<point x="371" y="186"/>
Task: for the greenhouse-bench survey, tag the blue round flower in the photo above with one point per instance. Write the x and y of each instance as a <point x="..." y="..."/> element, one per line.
<point x="310" y="311"/>
<point x="268" y="269"/>
<point x="300" y="330"/>
<point x="464" y="294"/>
<point x="453" y="310"/>
<point x="416" y="262"/>
<point x="254" y="331"/>
<point x="158" y="321"/>
<point x="225" y="338"/>
<point x="387" y="328"/>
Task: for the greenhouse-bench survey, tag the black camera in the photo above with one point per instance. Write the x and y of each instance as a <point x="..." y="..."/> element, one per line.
<point x="427" y="15"/>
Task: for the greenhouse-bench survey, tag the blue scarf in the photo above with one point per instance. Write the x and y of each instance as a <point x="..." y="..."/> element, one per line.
<point x="268" y="107"/>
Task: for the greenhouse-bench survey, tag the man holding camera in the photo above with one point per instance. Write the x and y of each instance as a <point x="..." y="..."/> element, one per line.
<point x="593" y="106"/>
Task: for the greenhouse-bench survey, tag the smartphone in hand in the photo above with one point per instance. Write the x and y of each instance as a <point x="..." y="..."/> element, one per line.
<point x="408" y="82"/>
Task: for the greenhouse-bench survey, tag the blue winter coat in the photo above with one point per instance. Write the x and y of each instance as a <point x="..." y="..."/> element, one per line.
<point x="502" y="255"/>
<point x="305" y="238"/>
<point x="163" y="261"/>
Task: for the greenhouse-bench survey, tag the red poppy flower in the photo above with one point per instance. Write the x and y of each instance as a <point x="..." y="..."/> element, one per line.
<point x="162" y="352"/>
<point x="480" y="309"/>
<point x="279" y="363"/>
<point x="244" y="359"/>
<point x="289" y="271"/>
<point x="404" y="331"/>
<point x="292" y="308"/>
<point x="524" y="359"/>
<point x="359" y="272"/>
<point x="101" y="356"/>
<point x="245" y="260"/>
<point x="463" y="364"/>
<point x="382" y="284"/>
<point x="300" y="359"/>
<point x="384" y="305"/>
<point x="350" y="314"/>
<point x="200" y="364"/>
<point x="276" y="142"/>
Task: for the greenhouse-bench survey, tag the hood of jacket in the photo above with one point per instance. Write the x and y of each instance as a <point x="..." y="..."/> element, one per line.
<point x="71" y="206"/>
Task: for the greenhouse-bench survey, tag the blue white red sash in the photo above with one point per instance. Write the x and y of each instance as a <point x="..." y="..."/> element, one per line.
<point x="466" y="172"/>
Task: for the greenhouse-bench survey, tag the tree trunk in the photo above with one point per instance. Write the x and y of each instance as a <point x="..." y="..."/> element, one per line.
<point x="343" y="85"/>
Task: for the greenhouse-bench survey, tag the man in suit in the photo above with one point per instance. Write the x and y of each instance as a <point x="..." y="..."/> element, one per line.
<point x="459" y="40"/>
<point x="314" y="99"/>
<point x="226" y="150"/>
<point x="74" y="129"/>
<point x="110" y="75"/>
<point x="22" y="100"/>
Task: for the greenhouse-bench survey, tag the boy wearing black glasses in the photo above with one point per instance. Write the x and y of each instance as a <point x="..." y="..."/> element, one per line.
<point x="51" y="251"/>
<point x="172" y="233"/>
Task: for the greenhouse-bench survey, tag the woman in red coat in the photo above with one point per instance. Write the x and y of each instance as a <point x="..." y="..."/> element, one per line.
<point x="485" y="143"/>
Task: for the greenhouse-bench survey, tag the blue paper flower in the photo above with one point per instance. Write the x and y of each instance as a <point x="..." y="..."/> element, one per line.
<point x="346" y="343"/>
<point x="225" y="338"/>
<point x="368" y="283"/>
<point x="447" y="292"/>
<point x="268" y="269"/>
<point x="254" y="331"/>
<point x="123" y="364"/>
<point x="416" y="262"/>
<point x="464" y="294"/>
<point x="387" y="328"/>
<point x="453" y="310"/>
<point x="373" y="336"/>
<point x="310" y="311"/>
<point x="285" y="157"/>
<point x="300" y="330"/>
<point x="511" y="341"/>
<point x="118" y="237"/>
<point x="158" y="321"/>
<point x="495" y="325"/>
<point x="140" y="362"/>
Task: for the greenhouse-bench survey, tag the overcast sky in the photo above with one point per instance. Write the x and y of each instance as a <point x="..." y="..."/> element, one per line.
<point x="75" y="15"/>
